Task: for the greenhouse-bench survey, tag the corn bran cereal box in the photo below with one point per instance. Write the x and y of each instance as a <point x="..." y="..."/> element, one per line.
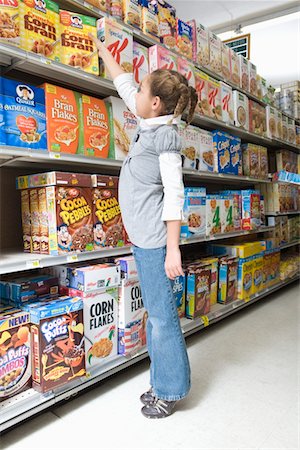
<point x="225" y="55"/>
<point x="161" y="58"/>
<point x="167" y="24"/>
<point x="119" y="41"/>
<point x="64" y="109"/>
<point x="39" y="27"/>
<point x="215" y="53"/>
<point x="9" y="22"/>
<point x="200" y="43"/>
<point x="252" y="79"/>
<point x="235" y="68"/>
<point x="244" y="71"/>
<point x="206" y="152"/>
<point x="140" y="62"/>
<point x="213" y="215"/>
<point x="214" y="99"/>
<point x="245" y="278"/>
<point x="187" y="70"/>
<point x="226" y="213"/>
<point x="95" y="123"/>
<point x="201" y="86"/>
<point x="150" y="19"/>
<point x="184" y="39"/>
<point x="132" y="13"/>
<point x="227" y="103"/>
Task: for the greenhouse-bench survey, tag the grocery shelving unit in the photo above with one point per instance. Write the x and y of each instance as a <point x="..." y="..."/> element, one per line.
<point x="17" y="61"/>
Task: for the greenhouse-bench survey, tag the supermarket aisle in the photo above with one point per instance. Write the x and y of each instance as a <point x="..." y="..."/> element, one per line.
<point x="244" y="394"/>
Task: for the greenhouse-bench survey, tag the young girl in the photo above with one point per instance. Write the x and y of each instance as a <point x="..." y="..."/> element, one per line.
<point x="151" y="196"/>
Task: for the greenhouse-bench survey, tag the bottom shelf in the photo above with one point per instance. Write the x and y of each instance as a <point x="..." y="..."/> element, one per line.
<point x="30" y="402"/>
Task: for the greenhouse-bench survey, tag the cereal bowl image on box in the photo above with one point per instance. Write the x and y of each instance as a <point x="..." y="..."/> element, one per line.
<point x="194" y="212"/>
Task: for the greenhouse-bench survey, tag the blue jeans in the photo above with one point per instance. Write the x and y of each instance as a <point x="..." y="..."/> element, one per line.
<point x="170" y="368"/>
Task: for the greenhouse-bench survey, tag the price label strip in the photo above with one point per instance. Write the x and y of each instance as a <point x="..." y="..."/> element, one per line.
<point x="205" y="321"/>
<point x="33" y="264"/>
<point x="72" y="258"/>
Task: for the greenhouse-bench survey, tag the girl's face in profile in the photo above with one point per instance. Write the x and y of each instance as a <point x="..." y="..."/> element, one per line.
<point x="147" y="106"/>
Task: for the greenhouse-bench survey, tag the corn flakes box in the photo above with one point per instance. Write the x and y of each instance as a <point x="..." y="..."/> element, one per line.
<point x="161" y="58"/>
<point x="140" y="62"/>
<point x="200" y="43"/>
<point x="190" y="145"/>
<point x="64" y="127"/>
<point x="198" y="290"/>
<point x="187" y="70"/>
<point x="241" y="110"/>
<point x="9" y="22"/>
<point x="132" y="13"/>
<point x="123" y="125"/>
<point x="179" y="294"/>
<point x="251" y="160"/>
<point x="227" y="103"/>
<point x="225" y="58"/>
<point x="213" y="215"/>
<point x="252" y="78"/>
<point x="250" y="210"/>
<point x="236" y="155"/>
<point x="119" y="41"/>
<point x="245" y="278"/>
<point x="15" y="361"/>
<point x="244" y="71"/>
<point x="95" y="123"/>
<point x="24" y="115"/>
<point x="194" y="211"/>
<point x="150" y="19"/>
<point x="39" y="28"/>
<point x="235" y="68"/>
<point x="77" y="48"/>
<point x="167" y="24"/>
<point x="205" y="156"/>
<point x="215" y="53"/>
<point x="214" y="99"/>
<point x="228" y="279"/>
<point x="116" y="9"/>
<point x="184" y="39"/>
<point x="2" y="117"/>
<point x="221" y="145"/>
<point x="201" y="86"/>
<point x="103" y="5"/>
<point x="226" y="213"/>
<point x="237" y="208"/>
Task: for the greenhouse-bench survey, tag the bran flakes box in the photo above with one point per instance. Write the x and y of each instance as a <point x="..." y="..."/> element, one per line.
<point x="140" y="62"/>
<point x="64" y="129"/>
<point x="167" y="24"/>
<point x="190" y="147"/>
<point x="95" y="123"/>
<point x="236" y="155"/>
<point x="214" y="98"/>
<point x="198" y="290"/>
<point x="187" y="70"/>
<point x="252" y="79"/>
<point x="215" y="53"/>
<point x="221" y="146"/>
<point x="9" y="22"/>
<point x="184" y="39"/>
<point x="205" y="151"/>
<point x="225" y="55"/>
<point x="161" y="58"/>
<point x="132" y="318"/>
<point x="213" y="217"/>
<point x="40" y="28"/>
<point x="235" y="68"/>
<point x="150" y="19"/>
<point x="201" y="86"/>
<point x="194" y="212"/>
<point x="226" y="213"/>
<point x="132" y="13"/>
<point x="241" y="110"/>
<point x="77" y="48"/>
<point x="227" y="103"/>
<point x="119" y="41"/>
<point x="244" y="71"/>
<point x="179" y="294"/>
<point x="200" y="43"/>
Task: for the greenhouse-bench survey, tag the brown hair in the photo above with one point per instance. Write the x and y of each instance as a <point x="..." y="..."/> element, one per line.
<point x="174" y="91"/>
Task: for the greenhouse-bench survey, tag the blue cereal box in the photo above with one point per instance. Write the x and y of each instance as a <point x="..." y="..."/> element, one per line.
<point x="221" y="146"/>
<point x="2" y="133"/>
<point x="194" y="212"/>
<point x="236" y="155"/>
<point x="24" y="115"/>
<point x="179" y="294"/>
<point x="184" y="38"/>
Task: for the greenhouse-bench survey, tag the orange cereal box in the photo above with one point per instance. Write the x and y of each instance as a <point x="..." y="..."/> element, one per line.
<point x="63" y="107"/>
<point x="77" y="48"/>
<point x="9" y="21"/>
<point x="96" y="127"/>
<point x="39" y="27"/>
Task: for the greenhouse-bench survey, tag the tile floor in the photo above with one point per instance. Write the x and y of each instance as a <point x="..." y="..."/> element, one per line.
<point x="244" y="394"/>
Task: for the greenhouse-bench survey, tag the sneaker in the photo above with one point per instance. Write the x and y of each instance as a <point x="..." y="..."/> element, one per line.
<point x="158" y="409"/>
<point x="147" y="397"/>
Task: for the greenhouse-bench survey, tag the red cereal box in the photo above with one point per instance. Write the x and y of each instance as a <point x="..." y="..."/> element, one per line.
<point x="140" y="62"/>
<point x="201" y="86"/>
<point x="161" y="58"/>
<point x="187" y="70"/>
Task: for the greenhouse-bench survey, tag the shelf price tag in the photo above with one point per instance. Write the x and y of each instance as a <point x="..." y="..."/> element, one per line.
<point x="54" y="155"/>
<point x="247" y="300"/>
<point x="35" y="264"/>
<point x="205" y="320"/>
<point x="72" y="258"/>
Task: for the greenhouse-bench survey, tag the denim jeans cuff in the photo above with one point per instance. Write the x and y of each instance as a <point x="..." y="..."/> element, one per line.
<point x="170" y="398"/>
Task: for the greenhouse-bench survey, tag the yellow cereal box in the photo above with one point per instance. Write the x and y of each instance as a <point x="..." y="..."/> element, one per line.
<point x="150" y="19"/>
<point x="77" y="48"/>
<point x="39" y="27"/>
<point x="245" y="278"/>
<point x="214" y="282"/>
<point x="257" y="274"/>
<point x="9" y="21"/>
<point x="132" y="13"/>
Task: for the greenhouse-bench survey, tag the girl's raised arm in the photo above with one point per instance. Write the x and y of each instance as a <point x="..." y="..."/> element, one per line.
<point x="114" y="68"/>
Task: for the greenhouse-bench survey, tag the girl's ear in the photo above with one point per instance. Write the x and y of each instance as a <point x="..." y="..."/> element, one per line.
<point x="156" y="103"/>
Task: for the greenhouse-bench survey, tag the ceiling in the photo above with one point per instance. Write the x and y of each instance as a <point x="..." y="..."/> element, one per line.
<point x="225" y="16"/>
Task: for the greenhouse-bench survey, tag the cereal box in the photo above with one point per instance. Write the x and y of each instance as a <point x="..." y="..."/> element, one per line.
<point x="263" y="162"/>
<point x="291" y="131"/>
<point x="279" y="123"/>
<point x="245" y="278"/>
<point x="179" y="294"/>
<point x="24" y="115"/>
<point x="123" y="125"/>
<point x="64" y="128"/>
<point x="286" y="160"/>
<point x="244" y="71"/>
<point x="35" y="221"/>
<point x="252" y="78"/>
<point x="225" y="55"/>
<point x="57" y="342"/>
<point x="26" y="222"/>
<point x="214" y="99"/>
<point x="226" y="213"/>
<point x="227" y="103"/>
<point x="187" y="70"/>
<point x="108" y="226"/>
<point x="190" y="145"/>
<point x="132" y="13"/>
<point x="251" y="160"/>
<point x="167" y="24"/>
<point x="9" y="22"/>
<point x="259" y="86"/>
<point x="228" y="273"/>
<point x="44" y="221"/>
<point x="241" y="110"/>
<point x="221" y="145"/>
<point x="103" y="5"/>
<point x="198" y="290"/>
<point x="150" y="19"/>
<point x="213" y="217"/>
<point x="257" y="118"/>
<point x="116" y="9"/>
<point x="184" y="39"/>
<point x="201" y="86"/>
<point x="194" y="211"/>
<point x="140" y="62"/>
<point x="271" y="122"/>
<point x="118" y="40"/>
<point x="77" y="48"/>
<point x="235" y="68"/>
<point x="250" y="210"/>
<point x="236" y="155"/>
<point x="27" y="288"/>
<point x="39" y="28"/>
<point x="205" y="154"/>
<point x="200" y="43"/>
<point x="215" y="54"/>
<point x="284" y="127"/>
<point x="128" y="268"/>
<point x="15" y="361"/>
<point x="214" y="282"/>
<point x="94" y="277"/>
<point x="237" y="208"/>
<point x="297" y="132"/>
<point x="132" y="318"/>
<point x="284" y="230"/>
<point x="161" y="58"/>
<point x="95" y="123"/>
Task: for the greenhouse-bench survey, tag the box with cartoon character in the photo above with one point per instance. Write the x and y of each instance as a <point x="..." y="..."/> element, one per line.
<point x="221" y="145"/>
<point x="179" y="294"/>
<point x="198" y="289"/>
<point x="228" y="279"/>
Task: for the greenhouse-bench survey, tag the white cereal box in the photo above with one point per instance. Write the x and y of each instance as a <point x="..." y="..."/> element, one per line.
<point x="206" y="153"/>
<point x="118" y="40"/>
<point x="215" y="54"/>
<point x="132" y="13"/>
<point x="200" y="43"/>
<point x="140" y="62"/>
<point x="190" y="145"/>
<point x="227" y="103"/>
<point x="127" y="267"/>
<point x="201" y="86"/>
<point x="284" y="127"/>
<point x="235" y="68"/>
<point x="184" y="39"/>
<point x="194" y="212"/>
<point x="244" y="71"/>
<point x="271" y="122"/>
<point x="226" y="213"/>
<point x="279" y="123"/>
<point x="161" y="58"/>
<point x="150" y="19"/>
<point x="187" y="70"/>
<point x="241" y="110"/>
<point x="252" y="78"/>
<point x="291" y="131"/>
<point x="226" y="67"/>
<point x="132" y="317"/>
<point x="214" y="98"/>
<point x="213" y="220"/>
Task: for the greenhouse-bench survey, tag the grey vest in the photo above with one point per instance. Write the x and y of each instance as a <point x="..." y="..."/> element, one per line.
<point x="141" y="193"/>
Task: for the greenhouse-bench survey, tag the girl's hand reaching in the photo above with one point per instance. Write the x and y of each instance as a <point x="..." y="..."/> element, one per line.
<point x="100" y="46"/>
<point x="173" y="264"/>
<point x="114" y="68"/>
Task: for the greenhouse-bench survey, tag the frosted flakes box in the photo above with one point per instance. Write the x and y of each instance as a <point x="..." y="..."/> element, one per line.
<point x="132" y="318"/>
<point x="244" y="71"/>
<point x="132" y="13"/>
<point x="226" y="213"/>
<point x="201" y="86"/>
<point x="161" y="58"/>
<point x="40" y="28"/>
<point x="167" y="24"/>
<point x="250" y="210"/>
<point x="118" y="39"/>
<point x="225" y="55"/>
<point x="213" y="218"/>
<point x="140" y="62"/>
<point x="150" y="19"/>
<point x="271" y="115"/>
<point x="221" y="145"/>
<point x="235" y="68"/>
<point x="205" y="154"/>
<point x="194" y="211"/>
<point x="236" y="155"/>
<point x="77" y="48"/>
<point x="190" y="145"/>
<point x="184" y="39"/>
<point x="214" y="98"/>
<point x="252" y="79"/>
<point x="95" y="123"/>
<point x="251" y="160"/>
<point x="187" y="70"/>
<point x="179" y="294"/>
<point x="9" y="22"/>
<point x="15" y="360"/>
<point x="123" y="125"/>
<point x="24" y="115"/>
<point x="200" y="43"/>
<point x="241" y="110"/>
<point x="215" y="54"/>
<point x="228" y="283"/>
<point x="227" y="103"/>
<point x="198" y="289"/>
